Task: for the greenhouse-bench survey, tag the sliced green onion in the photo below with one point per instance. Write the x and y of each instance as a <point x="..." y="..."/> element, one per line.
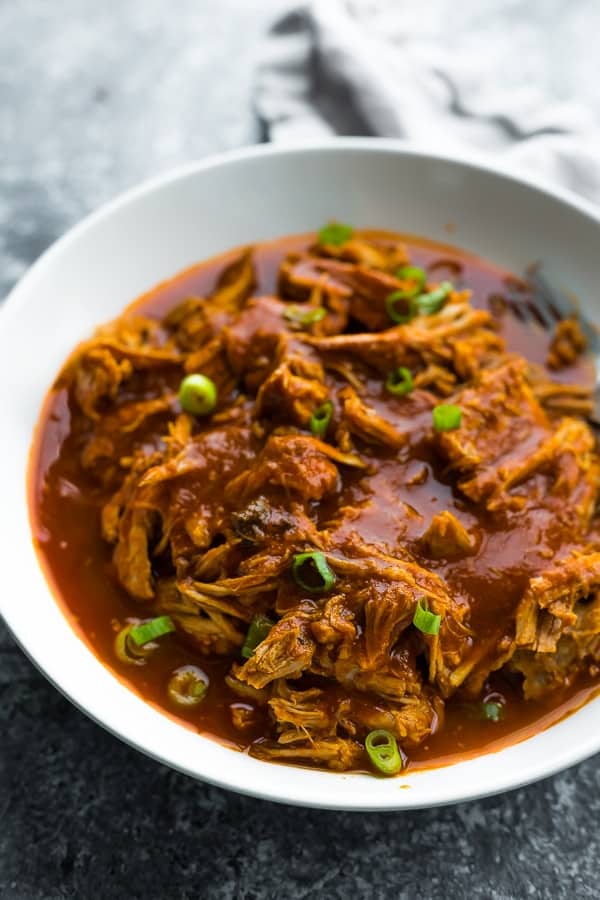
<point x="187" y="686"/>
<point x="301" y="316"/>
<point x="401" y="307"/>
<point x="492" y="711"/>
<point x="446" y="417"/>
<point x="399" y="382"/>
<point x="335" y="233"/>
<point x="198" y="394"/>
<point x="312" y="573"/>
<point x="127" y="651"/>
<point x="413" y="273"/>
<point x="320" y="419"/>
<point x="426" y="621"/>
<point x="433" y="301"/>
<point x="259" y="628"/>
<point x="382" y="748"/>
<point x="149" y="631"/>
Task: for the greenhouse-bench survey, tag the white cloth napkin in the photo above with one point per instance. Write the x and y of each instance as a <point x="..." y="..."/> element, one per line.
<point x="497" y="76"/>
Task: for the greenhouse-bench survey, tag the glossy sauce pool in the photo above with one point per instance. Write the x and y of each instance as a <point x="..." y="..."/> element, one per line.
<point x="65" y="515"/>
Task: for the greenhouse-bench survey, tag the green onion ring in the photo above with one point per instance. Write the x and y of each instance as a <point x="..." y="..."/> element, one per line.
<point x="382" y="747"/>
<point x="198" y="394"/>
<point x="399" y="382"/>
<point x="127" y="652"/>
<point x="187" y="686"/>
<point x="315" y="563"/>
<point x="415" y="274"/>
<point x="426" y="621"/>
<point x="430" y="303"/>
<point x="308" y="316"/>
<point x="259" y="628"/>
<point x="149" y="631"/>
<point x="335" y="234"/>
<point x="401" y="307"/>
<point x="446" y="417"/>
<point x="320" y="419"/>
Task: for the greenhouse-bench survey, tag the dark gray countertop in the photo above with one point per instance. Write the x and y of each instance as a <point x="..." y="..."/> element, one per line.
<point x="92" y="102"/>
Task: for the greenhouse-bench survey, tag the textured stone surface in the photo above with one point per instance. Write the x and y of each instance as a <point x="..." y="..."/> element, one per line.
<point x="84" y="816"/>
<point x="95" y="97"/>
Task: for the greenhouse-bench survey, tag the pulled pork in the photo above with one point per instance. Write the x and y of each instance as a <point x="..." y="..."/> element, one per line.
<point x="491" y="526"/>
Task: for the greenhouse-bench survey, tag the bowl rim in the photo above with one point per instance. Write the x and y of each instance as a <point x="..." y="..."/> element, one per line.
<point x="473" y="160"/>
<point x="294" y="792"/>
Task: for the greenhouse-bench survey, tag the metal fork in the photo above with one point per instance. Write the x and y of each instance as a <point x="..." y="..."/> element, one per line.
<point x="549" y="305"/>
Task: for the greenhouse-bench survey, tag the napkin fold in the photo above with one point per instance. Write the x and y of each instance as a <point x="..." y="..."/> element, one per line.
<point x="515" y="80"/>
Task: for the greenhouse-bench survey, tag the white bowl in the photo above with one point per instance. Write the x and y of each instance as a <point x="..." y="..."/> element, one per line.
<point x="153" y="232"/>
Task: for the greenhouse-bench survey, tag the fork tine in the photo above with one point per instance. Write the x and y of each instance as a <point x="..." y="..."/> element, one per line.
<point x="561" y="305"/>
<point x="519" y="310"/>
<point x="543" y="312"/>
<point x="555" y="303"/>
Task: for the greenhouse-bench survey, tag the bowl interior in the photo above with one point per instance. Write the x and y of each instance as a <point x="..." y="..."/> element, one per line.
<point x="151" y="234"/>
